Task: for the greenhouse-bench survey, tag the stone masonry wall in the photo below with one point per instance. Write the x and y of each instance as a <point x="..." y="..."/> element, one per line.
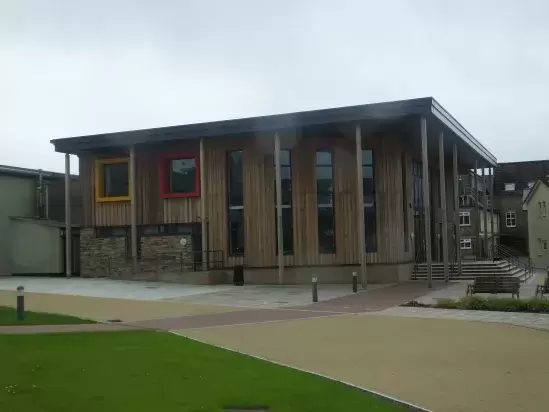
<point x="165" y="254"/>
<point x="102" y="256"/>
<point x="107" y="256"/>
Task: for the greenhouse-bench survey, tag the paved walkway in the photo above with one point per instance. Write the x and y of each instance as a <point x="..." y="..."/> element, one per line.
<point x="107" y="288"/>
<point x="457" y="289"/>
<point x="103" y="309"/>
<point x="375" y="299"/>
<point x="439" y="364"/>
<point x="180" y="315"/>
<point x="272" y="296"/>
<point x="531" y="320"/>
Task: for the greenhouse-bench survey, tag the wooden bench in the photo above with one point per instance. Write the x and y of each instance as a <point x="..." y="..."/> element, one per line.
<point x="543" y="289"/>
<point x="494" y="284"/>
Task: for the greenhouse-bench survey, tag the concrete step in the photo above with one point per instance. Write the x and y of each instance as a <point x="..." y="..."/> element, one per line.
<point x="469" y="265"/>
<point x="522" y="275"/>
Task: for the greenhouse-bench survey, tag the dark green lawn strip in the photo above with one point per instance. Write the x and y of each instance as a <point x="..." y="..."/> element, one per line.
<point x="8" y="317"/>
<point x="155" y="371"/>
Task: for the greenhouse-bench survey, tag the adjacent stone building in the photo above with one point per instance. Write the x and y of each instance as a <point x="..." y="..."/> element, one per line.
<point x="513" y="182"/>
<point x="535" y="205"/>
<point x="477" y="240"/>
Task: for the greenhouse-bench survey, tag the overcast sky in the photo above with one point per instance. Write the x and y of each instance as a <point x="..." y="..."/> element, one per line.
<point x="75" y="67"/>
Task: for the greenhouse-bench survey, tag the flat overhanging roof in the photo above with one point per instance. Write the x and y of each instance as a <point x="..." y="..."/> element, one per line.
<point x="427" y="107"/>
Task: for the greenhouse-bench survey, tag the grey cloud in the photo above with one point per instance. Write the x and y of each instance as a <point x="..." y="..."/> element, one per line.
<point x="77" y="67"/>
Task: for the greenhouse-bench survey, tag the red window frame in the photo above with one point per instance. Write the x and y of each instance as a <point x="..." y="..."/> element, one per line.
<point x="165" y="174"/>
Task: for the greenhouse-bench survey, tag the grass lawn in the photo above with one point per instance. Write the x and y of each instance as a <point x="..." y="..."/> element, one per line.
<point x="156" y="371"/>
<point x="8" y="317"/>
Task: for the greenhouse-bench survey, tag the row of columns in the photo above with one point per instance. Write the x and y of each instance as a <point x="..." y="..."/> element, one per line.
<point x="487" y="199"/>
<point x="360" y="207"/>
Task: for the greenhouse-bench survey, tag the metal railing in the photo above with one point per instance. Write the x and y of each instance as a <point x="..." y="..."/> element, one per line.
<point x="523" y="263"/>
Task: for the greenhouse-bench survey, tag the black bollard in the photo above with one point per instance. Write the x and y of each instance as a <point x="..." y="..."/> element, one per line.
<point x="20" y="303"/>
<point x="355" y="282"/>
<point x="315" y="289"/>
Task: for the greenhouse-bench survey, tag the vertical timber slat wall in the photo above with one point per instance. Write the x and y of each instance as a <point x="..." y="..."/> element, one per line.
<point x="259" y="198"/>
<point x="85" y="164"/>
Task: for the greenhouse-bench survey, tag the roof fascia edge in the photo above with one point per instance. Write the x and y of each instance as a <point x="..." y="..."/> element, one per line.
<point x="446" y="118"/>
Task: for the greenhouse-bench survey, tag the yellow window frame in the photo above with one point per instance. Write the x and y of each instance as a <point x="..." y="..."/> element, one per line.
<point x="99" y="179"/>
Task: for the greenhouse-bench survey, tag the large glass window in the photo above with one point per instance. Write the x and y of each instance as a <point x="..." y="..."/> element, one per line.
<point x="369" y="199"/>
<point x="236" y="203"/>
<point x="324" y="199"/>
<point x="287" y="217"/>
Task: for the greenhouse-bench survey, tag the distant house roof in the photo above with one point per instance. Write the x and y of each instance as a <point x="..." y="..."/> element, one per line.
<point x="427" y="107"/>
<point x="540" y="182"/>
<point x="519" y="173"/>
<point x="24" y="172"/>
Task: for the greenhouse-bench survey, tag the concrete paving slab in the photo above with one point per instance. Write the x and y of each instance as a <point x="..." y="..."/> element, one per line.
<point x="107" y="288"/>
<point x="271" y="296"/>
<point x="535" y="320"/>
<point x="456" y="290"/>
<point x="443" y="365"/>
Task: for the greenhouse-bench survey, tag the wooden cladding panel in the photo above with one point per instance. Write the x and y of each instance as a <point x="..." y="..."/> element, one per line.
<point x="112" y="214"/>
<point x="389" y="214"/>
<point x="85" y="166"/>
<point x="259" y="202"/>
<point x="259" y="199"/>
<point x="184" y="210"/>
<point x="149" y="202"/>
<point x="304" y="203"/>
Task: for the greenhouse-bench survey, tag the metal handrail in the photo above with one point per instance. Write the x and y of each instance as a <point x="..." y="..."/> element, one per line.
<point x="502" y="253"/>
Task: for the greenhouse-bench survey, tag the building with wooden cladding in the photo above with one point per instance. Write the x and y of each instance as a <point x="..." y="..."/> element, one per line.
<point x="324" y="192"/>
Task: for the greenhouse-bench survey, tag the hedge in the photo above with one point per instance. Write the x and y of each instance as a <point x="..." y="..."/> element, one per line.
<point x="495" y="304"/>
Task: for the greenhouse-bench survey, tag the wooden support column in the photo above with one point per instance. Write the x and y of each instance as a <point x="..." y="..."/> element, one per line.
<point x="485" y="204"/>
<point x="203" y="218"/>
<point x="477" y="212"/>
<point x="426" y="202"/>
<point x="442" y="192"/>
<point x="68" y="218"/>
<point x="361" y="244"/>
<point x="456" y="209"/>
<point x="133" y="210"/>
<point x="279" y="228"/>
<point x="491" y="171"/>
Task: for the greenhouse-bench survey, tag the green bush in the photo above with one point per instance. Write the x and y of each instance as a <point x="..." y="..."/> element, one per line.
<point x="495" y="304"/>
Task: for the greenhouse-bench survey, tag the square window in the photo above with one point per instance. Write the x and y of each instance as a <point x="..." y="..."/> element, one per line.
<point x="465" y="244"/>
<point x="509" y="187"/>
<point x="180" y="175"/>
<point x="511" y="219"/>
<point x="112" y="180"/>
<point x="465" y="218"/>
<point x="115" y="180"/>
